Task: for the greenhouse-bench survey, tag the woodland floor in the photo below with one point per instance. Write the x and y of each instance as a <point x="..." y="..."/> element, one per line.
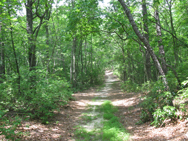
<point x="61" y="127"/>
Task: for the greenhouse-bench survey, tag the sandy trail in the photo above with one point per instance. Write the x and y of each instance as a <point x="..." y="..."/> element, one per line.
<point x="98" y="98"/>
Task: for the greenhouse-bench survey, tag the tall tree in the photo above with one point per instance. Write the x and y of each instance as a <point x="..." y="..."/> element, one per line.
<point x="34" y="11"/>
<point x="146" y="34"/>
<point x="173" y="32"/>
<point x="48" y="10"/>
<point x="145" y="42"/>
<point x="13" y="47"/>
<point x="73" y="54"/>
<point x="2" y="56"/>
<point x="159" y="34"/>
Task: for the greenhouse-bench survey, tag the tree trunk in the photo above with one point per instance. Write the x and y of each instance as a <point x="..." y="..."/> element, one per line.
<point x="173" y="33"/>
<point x="32" y="46"/>
<point x="145" y="42"/>
<point x="159" y="34"/>
<point x="129" y="66"/>
<point x="146" y="35"/>
<point x="47" y="43"/>
<point x="15" y="56"/>
<point x="47" y="17"/>
<point x="81" y="59"/>
<point x="2" y="56"/>
<point x="124" y="62"/>
<point x="85" y="50"/>
<point x="73" y="62"/>
<point x="91" y="61"/>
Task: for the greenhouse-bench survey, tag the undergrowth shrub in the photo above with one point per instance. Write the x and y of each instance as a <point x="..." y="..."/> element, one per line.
<point x="160" y="115"/>
<point x="148" y="108"/>
<point x="158" y="105"/>
<point x="91" y="77"/>
<point x="51" y="93"/>
<point x="37" y="99"/>
<point x="8" y="127"/>
<point x="172" y="81"/>
<point x="130" y="86"/>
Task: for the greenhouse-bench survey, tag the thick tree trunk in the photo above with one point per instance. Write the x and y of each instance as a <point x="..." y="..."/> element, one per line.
<point x="146" y="34"/>
<point x="32" y="46"/>
<point x="145" y="42"/>
<point x="159" y="34"/>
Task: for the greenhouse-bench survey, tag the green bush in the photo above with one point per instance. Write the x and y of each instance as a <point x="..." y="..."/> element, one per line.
<point x="8" y="127"/>
<point x="38" y="98"/>
<point x="155" y="100"/>
<point x="50" y="94"/>
<point x="130" y="86"/>
<point x="172" y="81"/>
<point x="148" y="108"/>
<point x="159" y="116"/>
<point x="146" y="87"/>
<point x="184" y="91"/>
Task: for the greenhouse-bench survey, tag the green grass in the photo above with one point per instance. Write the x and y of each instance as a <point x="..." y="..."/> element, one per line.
<point x="95" y="98"/>
<point x="88" y="117"/>
<point x="112" y="129"/>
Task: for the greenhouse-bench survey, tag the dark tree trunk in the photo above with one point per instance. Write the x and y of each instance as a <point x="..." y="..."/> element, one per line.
<point x="173" y="33"/>
<point x="47" y="17"/>
<point x="32" y="46"/>
<point x="47" y="43"/>
<point x="15" y="56"/>
<point x="91" y="81"/>
<point x="145" y="42"/>
<point x="146" y="34"/>
<point x="2" y="56"/>
<point x="85" y="50"/>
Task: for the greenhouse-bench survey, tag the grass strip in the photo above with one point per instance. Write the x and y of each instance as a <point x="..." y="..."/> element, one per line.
<point x="112" y="129"/>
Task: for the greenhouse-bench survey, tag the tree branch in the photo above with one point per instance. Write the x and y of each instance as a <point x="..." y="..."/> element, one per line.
<point x="169" y="33"/>
<point x="23" y="28"/>
<point x="38" y="27"/>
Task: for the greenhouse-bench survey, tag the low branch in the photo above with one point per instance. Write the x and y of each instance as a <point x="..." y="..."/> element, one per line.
<point x="23" y="28"/>
<point x="170" y="33"/>
<point x="38" y="26"/>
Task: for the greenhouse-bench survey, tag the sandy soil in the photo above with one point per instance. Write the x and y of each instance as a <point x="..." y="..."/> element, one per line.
<point x="61" y="127"/>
